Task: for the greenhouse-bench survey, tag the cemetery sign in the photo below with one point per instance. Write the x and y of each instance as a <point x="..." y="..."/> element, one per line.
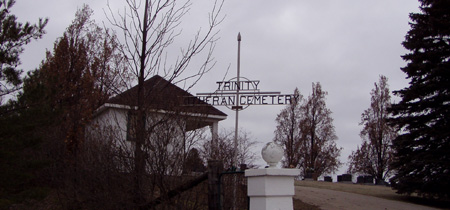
<point x="240" y="94"/>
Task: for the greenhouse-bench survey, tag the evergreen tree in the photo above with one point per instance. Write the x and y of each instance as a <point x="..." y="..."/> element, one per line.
<point x="13" y="36"/>
<point x="193" y="162"/>
<point x="51" y="111"/>
<point x="422" y="157"/>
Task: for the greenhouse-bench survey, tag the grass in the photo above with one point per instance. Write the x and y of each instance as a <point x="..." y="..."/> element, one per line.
<point x="373" y="190"/>
<point x="370" y="190"/>
<point x="300" y="205"/>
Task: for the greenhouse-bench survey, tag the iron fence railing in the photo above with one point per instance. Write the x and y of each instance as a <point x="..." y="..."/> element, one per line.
<point x="233" y="188"/>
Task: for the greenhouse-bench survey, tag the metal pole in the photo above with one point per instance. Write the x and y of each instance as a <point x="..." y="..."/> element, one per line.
<point x="236" y="128"/>
<point x="238" y="103"/>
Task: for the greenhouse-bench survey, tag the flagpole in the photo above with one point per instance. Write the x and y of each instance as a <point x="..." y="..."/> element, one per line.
<point x="237" y="107"/>
<point x="238" y="104"/>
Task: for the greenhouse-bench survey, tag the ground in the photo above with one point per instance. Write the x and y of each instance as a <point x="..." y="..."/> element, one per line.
<point x="321" y="195"/>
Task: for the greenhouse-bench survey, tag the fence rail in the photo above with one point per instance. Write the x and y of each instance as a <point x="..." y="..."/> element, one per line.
<point x="233" y="188"/>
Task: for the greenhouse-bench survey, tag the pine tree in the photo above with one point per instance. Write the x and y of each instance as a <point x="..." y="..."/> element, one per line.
<point x="13" y="36"/>
<point x="422" y="157"/>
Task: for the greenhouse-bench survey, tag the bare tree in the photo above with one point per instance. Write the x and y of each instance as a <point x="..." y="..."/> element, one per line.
<point x="225" y="151"/>
<point x="79" y="75"/>
<point x="318" y="135"/>
<point x="305" y="129"/>
<point x="149" y="29"/>
<point x="375" y="154"/>
<point x="166" y="151"/>
<point x="287" y="132"/>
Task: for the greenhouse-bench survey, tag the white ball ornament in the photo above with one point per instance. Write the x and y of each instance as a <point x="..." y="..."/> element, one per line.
<point x="272" y="153"/>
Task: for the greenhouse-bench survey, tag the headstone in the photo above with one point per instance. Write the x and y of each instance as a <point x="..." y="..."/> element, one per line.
<point x="308" y="175"/>
<point x="328" y="179"/>
<point x="339" y="178"/>
<point x="346" y="177"/>
<point x="368" y="179"/>
<point x="360" y="180"/>
<point x="380" y="182"/>
<point x="243" y="167"/>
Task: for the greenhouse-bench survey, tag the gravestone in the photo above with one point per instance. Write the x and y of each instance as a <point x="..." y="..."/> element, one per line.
<point x="380" y="182"/>
<point x="308" y="175"/>
<point x="328" y="179"/>
<point x="368" y="179"/>
<point x="346" y="177"/>
<point x="360" y="180"/>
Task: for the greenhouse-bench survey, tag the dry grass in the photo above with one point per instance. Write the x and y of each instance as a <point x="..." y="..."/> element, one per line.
<point x="300" y="205"/>
<point x="370" y="190"/>
<point x="373" y="190"/>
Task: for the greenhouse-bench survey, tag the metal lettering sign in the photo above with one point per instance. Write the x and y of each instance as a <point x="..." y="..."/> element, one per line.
<point x="234" y="93"/>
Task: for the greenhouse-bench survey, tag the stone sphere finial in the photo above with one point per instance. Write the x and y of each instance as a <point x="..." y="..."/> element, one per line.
<point x="272" y="153"/>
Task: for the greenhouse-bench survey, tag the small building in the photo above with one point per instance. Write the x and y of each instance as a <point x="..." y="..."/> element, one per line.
<point x="169" y="117"/>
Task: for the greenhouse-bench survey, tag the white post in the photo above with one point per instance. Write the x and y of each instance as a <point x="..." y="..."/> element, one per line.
<point x="271" y="188"/>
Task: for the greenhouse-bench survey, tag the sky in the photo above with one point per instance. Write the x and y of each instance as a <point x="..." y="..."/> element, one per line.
<point x="345" y="45"/>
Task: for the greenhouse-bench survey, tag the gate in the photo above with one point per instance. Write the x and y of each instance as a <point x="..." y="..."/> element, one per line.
<point x="233" y="190"/>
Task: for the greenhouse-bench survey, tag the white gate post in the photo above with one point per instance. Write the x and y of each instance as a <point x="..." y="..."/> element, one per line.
<point x="271" y="188"/>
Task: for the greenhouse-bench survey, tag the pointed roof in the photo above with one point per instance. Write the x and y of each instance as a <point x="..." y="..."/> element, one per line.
<point x="162" y="95"/>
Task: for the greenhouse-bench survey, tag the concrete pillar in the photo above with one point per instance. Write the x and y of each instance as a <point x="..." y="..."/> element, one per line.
<point x="271" y="188"/>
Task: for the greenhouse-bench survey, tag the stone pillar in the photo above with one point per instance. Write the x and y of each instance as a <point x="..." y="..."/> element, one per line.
<point x="271" y="188"/>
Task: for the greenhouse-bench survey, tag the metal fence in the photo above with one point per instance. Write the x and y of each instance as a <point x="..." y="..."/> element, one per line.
<point x="233" y="187"/>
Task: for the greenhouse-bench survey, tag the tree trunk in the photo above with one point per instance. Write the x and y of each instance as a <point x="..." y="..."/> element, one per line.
<point x="139" y="162"/>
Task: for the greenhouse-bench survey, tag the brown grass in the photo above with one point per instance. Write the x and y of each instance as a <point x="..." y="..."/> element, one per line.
<point x="370" y="190"/>
<point x="375" y="191"/>
<point x="300" y="205"/>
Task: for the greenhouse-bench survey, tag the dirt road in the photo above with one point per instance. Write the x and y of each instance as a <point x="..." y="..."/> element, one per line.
<point x="331" y="199"/>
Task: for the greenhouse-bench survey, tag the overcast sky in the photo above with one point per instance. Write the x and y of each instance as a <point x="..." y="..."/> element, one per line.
<point x="343" y="44"/>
